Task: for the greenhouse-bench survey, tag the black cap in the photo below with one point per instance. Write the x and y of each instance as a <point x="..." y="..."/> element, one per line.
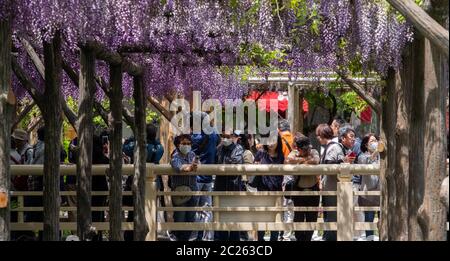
<point x="303" y="142"/>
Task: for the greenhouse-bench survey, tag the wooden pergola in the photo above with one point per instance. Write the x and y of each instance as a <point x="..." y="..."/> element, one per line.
<point x="51" y="104"/>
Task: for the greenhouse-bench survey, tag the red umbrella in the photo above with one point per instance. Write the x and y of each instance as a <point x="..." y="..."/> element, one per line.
<point x="283" y="102"/>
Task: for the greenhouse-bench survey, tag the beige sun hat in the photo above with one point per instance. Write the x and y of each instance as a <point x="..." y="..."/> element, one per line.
<point x="20" y="134"/>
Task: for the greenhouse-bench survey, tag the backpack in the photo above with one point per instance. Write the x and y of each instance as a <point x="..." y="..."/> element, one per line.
<point x="152" y="149"/>
<point x="24" y="158"/>
<point x="322" y="157"/>
<point x="128" y="148"/>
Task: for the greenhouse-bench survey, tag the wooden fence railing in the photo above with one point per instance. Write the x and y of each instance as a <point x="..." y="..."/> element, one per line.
<point x="242" y="210"/>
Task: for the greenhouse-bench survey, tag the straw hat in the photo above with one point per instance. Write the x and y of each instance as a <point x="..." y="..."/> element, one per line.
<point x="19" y="134"/>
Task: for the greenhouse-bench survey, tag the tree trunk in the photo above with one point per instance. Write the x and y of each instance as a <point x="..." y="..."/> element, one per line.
<point x="427" y="215"/>
<point x="388" y="120"/>
<point x="140" y="155"/>
<point x="85" y="140"/>
<point x="5" y="82"/>
<point x="115" y="164"/>
<point x="53" y="123"/>
<point x="395" y="160"/>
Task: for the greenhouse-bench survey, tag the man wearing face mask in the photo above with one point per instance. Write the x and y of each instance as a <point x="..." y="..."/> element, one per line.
<point x="229" y="152"/>
<point x="184" y="160"/>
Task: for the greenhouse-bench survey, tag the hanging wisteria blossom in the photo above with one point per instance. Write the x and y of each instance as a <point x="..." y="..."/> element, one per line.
<point x="182" y="44"/>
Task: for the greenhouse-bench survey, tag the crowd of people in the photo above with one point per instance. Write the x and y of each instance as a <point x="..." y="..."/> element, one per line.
<point x="338" y="144"/>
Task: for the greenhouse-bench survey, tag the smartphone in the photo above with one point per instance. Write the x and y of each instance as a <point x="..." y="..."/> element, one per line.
<point x="196" y="159"/>
<point x="104" y="139"/>
<point x="352" y="154"/>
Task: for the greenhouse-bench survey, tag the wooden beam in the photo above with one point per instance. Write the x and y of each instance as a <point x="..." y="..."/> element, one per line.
<point x="158" y="106"/>
<point x="113" y="58"/>
<point x="427" y="26"/>
<point x="34" y="125"/>
<point x="70" y="115"/>
<point x="102" y="112"/>
<point x="26" y="82"/>
<point x="128" y="117"/>
<point x="22" y="114"/>
<point x="371" y="101"/>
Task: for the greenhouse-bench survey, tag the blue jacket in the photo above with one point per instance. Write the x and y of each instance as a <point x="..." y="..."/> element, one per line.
<point x="205" y="146"/>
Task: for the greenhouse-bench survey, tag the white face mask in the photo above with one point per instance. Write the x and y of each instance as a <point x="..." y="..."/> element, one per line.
<point x="185" y="149"/>
<point x="373" y="146"/>
<point x="227" y="142"/>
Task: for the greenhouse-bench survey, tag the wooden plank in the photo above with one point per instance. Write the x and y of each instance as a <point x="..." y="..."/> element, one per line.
<point x="367" y="209"/>
<point x="247" y="226"/>
<point x="248" y="193"/>
<point x="367" y="193"/>
<point x="66" y="226"/>
<point x="37" y="209"/>
<point x="247" y="209"/>
<point x="429" y="28"/>
<point x="220" y="169"/>
<point x="66" y="193"/>
<point x="365" y="226"/>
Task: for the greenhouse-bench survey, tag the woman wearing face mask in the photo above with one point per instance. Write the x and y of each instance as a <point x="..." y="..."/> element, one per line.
<point x="272" y="154"/>
<point x="369" y="155"/>
<point x="184" y="160"/>
<point x="229" y="152"/>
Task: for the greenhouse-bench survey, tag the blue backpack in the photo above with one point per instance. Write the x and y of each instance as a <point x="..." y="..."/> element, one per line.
<point x="155" y="150"/>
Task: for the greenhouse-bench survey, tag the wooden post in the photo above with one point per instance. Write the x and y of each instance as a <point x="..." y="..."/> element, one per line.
<point x="151" y="198"/>
<point x="5" y="82"/>
<point x="115" y="169"/>
<point x="345" y="222"/>
<point x="293" y="107"/>
<point x="216" y="203"/>
<point x="140" y="155"/>
<point x="20" y="217"/>
<point x="279" y="215"/>
<point x="52" y="114"/>
<point x="85" y="142"/>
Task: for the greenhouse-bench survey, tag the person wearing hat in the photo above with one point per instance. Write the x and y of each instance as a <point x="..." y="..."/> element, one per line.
<point x="23" y="148"/>
<point x="303" y="153"/>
